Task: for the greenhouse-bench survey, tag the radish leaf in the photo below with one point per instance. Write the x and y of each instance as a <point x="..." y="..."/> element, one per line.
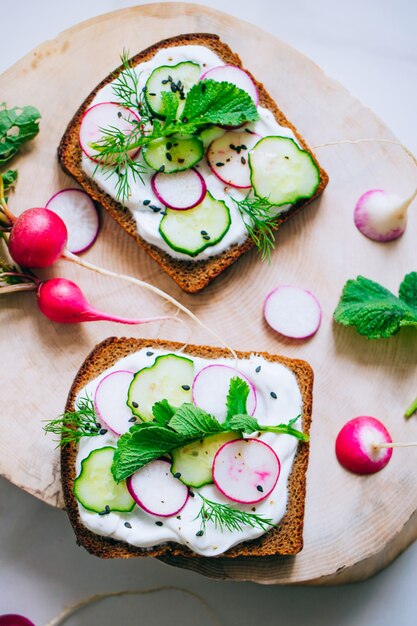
<point x="17" y="126"/>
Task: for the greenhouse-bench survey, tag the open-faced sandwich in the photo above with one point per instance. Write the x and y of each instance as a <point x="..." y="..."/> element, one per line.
<point x="186" y="451"/>
<point x="191" y="156"/>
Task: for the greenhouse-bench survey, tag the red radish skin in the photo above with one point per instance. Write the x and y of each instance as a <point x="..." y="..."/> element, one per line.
<point x="236" y="76"/>
<point x="231" y="165"/>
<point x="80" y="216"/>
<point x="218" y="377"/>
<point x="62" y="301"/>
<point x="355" y="443"/>
<point x="12" y="619"/>
<point x="179" y="191"/>
<point x="110" y="401"/>
<point x="292" y="311"/>
<point x="156" y="490"/>
<point x="382" y="216"/>
<point x="38" y="238"/>
<point x="246" y="470"/>
<point x="100" y="116"/>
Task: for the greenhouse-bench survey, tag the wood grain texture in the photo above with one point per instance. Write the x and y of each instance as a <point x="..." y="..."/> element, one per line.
<point x="353" y="525"/>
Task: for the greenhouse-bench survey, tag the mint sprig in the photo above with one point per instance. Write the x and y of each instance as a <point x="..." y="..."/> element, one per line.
<point x="176" y="427"/>
<point x="374" y="311"/>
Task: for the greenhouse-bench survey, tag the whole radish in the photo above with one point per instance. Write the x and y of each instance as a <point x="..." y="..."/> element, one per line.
<point x="12" y="619"/>
<point x="382" y="216"/>
<point x="38" y="238"/>
<point x="360" y="445"/>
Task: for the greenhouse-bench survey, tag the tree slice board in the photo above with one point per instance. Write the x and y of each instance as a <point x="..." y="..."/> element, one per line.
<point x="353" y="525"/>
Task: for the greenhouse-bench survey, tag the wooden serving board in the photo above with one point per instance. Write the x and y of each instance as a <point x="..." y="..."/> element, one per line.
<point x="353" y="525"/>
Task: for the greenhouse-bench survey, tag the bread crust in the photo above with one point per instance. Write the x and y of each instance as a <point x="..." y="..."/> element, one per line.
<point x="191" y="276"/>
<point x="286" y="539"/>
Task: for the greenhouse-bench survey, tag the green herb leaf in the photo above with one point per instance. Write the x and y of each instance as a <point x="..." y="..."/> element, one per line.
<point x="237" y="397"/>
<point x="162" y="412"/>
<point x="170" y="105"/>
<point x="17" y="126"/>
<point x="224" y="516"/>
<point x="244" y="423"/>
<point x="9" y="180"/>
<point x="373" y="310"/>
<point x="260" y="219"/>
<point x="193" y="423"/>
<point x="249" y="425"/>
<point x="211" y="102"/>
<point x="408" y="290"/>
<point x="71" y="426"/>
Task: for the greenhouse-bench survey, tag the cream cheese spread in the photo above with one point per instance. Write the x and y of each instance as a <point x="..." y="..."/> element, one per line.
<point x="146" y="530"/>
<point x="147" y="221"/>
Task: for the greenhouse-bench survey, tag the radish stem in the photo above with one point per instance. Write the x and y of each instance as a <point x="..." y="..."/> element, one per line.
<point x="136" y="281"/>
<point x="18" y="287"/>
<point x="411" y="409"/>
<point x="369" y="139"/>
<point x="12" y="218"/>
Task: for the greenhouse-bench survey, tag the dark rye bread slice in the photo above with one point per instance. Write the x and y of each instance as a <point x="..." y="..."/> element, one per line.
<point x="286" y="539"/>
<point x="191" y="276"/>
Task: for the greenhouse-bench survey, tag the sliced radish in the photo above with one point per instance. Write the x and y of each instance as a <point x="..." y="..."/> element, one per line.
<point x="292" y="311"/>
<point x="228" y="157"/>
<point x="180" y="190"/>
<point x="110" y="401"/>
<point x="234" y="75"/>
<point x="211" y="386"/>
<point x="156" y="490"/>
<point x="357" y="445"/>
<point x="80" y="216"/>
<point x="101" y="116"/>
<point x="246" y="470"/>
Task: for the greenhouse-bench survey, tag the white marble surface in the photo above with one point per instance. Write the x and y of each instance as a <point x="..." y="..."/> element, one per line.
<point x="370" y="47"/>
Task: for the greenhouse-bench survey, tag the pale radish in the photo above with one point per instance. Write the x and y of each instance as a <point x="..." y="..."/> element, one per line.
<point x="110" y="401"/>
<point x="228" y="157"/>
<point x="382" y="216"/>
<point x="79" y="215"/>
<point x="211" y="386"/>
<point x="236" y="76"/>
<point x="101" y="116"/>
<point x="156" y="490"/>
<point x="360" y="445"/>
<point x="246" y="470"/>
<point x="292" y="312"/>
<point x="180" y="190"/>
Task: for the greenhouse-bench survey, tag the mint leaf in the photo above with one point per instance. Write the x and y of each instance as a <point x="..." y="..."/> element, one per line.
<point x="408" y="290"/>
<point x="211" y="102"/>
<point x="373" y="310"/>
<point x="170" y="104"/>
<point x="249" y="425"/>
<point x="162" y="412"/>
<point x="17" y="126"/>
<point x="190" y="421"/>
<point x="237" y="397"/>
<point x="244" y="423"/>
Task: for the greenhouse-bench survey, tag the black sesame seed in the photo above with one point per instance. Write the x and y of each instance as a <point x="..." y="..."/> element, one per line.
<point x="273" y="395"/>
<point x="103" y="431"/>
<point x="203" y="232"/>
<point x="219" y="164"/>
<point x="164" y="82"/>
<point x="107" y="508"/>
<point x="119" y="114"/>
<point x="258" y="369"/>
<point x="168" y="156"/>
<point x="177" y="475"/>
<point x="170" y="79"/>
<point x="159" y="523"/>
<point x="199" y="533"/>
<point x="163" y="212"/>
<point x="146" y="202"/>
<point x="135" y="406"/>
<point x="152" y="94"/>
<point x="238" y="149"/>
<point x="162" y="168"/>
<point x="181" y="161"/>
<point x="243" y="147"/>
<point x="206" y="237"/>
<point x="154" y="208"/>
<point x="186" y="387"/>
<point x="174" y="88"/>
<point x="259" y="488"/>
<point x="149" y="353"/>
<point x="286" y="157"/>
<point x="104" y="512"/>
<point x="98" y="426"/>
<point x="251" y="132"/>
<point x="232" y="146"/>
<point x="169" y="145"/>
<point x="243" y="160"/>
<point x="179" y="517"/>
<point x="128" y="525"/>
<point x="192" y="494"/>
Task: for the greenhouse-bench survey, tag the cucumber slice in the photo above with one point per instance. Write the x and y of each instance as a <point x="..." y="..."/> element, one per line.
<point x="193" y="463"/>
<point x="196" y="229"/>
<point x="177" y="79"/>
<point x="282" y="172"/>
<point x="173" y="154"/>
<point x="95" y="487"/>
<point x="209" y="134"/>
<point x="169" y="378"/>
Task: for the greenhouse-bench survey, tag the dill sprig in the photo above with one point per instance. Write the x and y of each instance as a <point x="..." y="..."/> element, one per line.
<point x="73" y="425"/>
<point x="223" y="516"/>
<point x="126" y="85"/>
<point x="261" y="223"/>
